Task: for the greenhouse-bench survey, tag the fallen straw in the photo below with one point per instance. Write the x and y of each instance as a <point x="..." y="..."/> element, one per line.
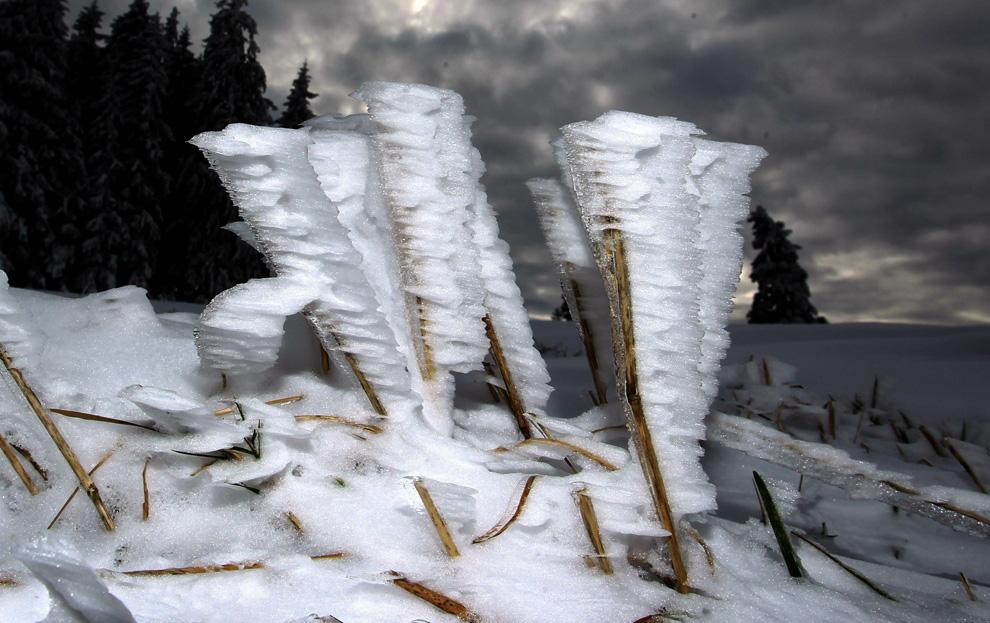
<point x="503" y="525"/>
<point x="856" y="574"/>
<point x="437" y="519"/>
<point x="85" y="482"/>
<point x="274" y="401"/>
<point x="438" y="600"/>
<point x="72" y="495"/>
<point x="214" y="568"/>
<point x="16" y="464"/>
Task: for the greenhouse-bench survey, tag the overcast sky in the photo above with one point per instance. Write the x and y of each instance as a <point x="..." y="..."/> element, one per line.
<point x="876" y="115"/>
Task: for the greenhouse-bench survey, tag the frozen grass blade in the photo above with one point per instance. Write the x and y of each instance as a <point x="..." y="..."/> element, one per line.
<point x="437" y="519"/>
<point x="85" y="482"/>
<point x="30" y="459"/>
<point x="72" y="495"/>
<point x="503" y="525"/>
<point x="856" y="574"/>
<point x="80" y="415"/>
<point x="779" y="530"/>
<point x="957" y="455"/>
<point x="438" y="600"/>
<point x="590" y="519"/>
<point x="214" y="568"/>
<point x="515" y="400"/>
<point x="932" y="441"/>
<point x="8" y="452"/>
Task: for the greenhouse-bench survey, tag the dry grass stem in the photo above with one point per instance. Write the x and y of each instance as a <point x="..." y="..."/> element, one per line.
<point x="438" y="600"/>
<point x="516" y="404"/>
<point x="709" y="554"/>
<point x="493" y="389"/>
<point x="932" y="441"/>
<point x="146" y="503"/>
<point x="590" y="520"/>
<point x="616" y="272"/>
<point x="85" y="482"/>
<point x="324" y="360"/>
<point x="856" y="574"/>
<point x="274" y="401"/>
<point x="80" y="415"/>
<point x="8" y="452"/>
<point x="295" y="521"/>
<point x="72" y="495"/>
<point x="588" y="454"/>
<point x="765" y="371"/>
<point x="368" y="428"/>
<point x="504" y="524"/>
<point x="437" y="519"/>
<point x="24" y="452"/>
<point x="967" y="586"/>
<point x="779" y="530"/>
<point x="216" y="568"/>
<point x="965" y="465"/>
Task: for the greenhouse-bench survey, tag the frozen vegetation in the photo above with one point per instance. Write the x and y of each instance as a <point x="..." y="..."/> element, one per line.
<point x="371" y="434"/>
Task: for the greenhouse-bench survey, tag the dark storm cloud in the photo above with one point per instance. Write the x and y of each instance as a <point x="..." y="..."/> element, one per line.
<point x="875" y="115"/>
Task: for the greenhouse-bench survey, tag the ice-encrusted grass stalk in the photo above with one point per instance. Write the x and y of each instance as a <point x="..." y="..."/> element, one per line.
<point x="859" y="479"/>
<point x="851" y="571"/>
<point x="516" y="404"/>
<point x="579" y="277"/>
<point x="590" y="520"/>
<point x="15" y="463"/>
<point x="85" y="482"/>
<point x="146" y="501"/>
<point x="779" y="529"/>
<point x="368" y="428"/>
<point x="565" y="445"/>
<point x="81" y="415"/>
<point x="213" y="568"/>
<point x="436" y="519"/>
<point x="504" y="524"/>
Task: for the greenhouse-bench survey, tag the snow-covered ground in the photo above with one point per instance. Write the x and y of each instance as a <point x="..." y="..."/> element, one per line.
<point x="351" y="489"/>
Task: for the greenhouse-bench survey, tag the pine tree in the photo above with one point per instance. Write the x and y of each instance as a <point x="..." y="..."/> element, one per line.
<point x="782" y="294"/>
<point x="41" y="161"/>
<point x="88" y="88"/>
<point x="198" y="258"/>
<point x="297" y="107"/>
<point x="136" y="50"/>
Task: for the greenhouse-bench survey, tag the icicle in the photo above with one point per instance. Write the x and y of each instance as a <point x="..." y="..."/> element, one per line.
<point x="580" y="280"/>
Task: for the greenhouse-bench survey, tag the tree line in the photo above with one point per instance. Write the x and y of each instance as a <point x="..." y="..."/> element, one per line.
<point x="98" y="187"/>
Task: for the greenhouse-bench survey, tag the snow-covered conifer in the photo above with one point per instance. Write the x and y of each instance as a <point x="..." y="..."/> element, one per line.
<point x="297" y="107"/>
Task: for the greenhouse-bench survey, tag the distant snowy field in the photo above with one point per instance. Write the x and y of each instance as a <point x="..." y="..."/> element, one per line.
<point x="88" y="350"/>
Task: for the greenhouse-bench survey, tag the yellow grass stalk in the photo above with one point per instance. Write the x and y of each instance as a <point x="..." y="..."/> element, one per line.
<point x="85" y="482"/>
<point x="146" y="503"/>
<point x="504" y="524"/>
<point x="588" y="454"/>
<point x="295" y="521"/>
<point x="216" y="568"/>
<point x="437" y="519"/>
<point x="8" y="452"/>
<point x="590" y="520"/>
<point x="274" y="401"/>
<point x="438" y="600"/>
<point x="72" y="495"/>
<point x="368" y="428"/>
<point x="516" y="404"/>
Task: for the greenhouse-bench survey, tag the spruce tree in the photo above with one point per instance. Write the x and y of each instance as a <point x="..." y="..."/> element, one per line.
<point x="199" y="258"/>
<point x="41" y="161"/>
<point x="136" y="50"/>
<point x="89" y="90"/>
<point x="782" y="294"/>
<point x="297" y="107"/>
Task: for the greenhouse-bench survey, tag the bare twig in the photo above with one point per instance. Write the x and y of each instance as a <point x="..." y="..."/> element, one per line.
<point x="85" y="482"/>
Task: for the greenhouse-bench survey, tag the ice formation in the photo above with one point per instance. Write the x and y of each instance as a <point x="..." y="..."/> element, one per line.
<point x="580" y="281"/>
